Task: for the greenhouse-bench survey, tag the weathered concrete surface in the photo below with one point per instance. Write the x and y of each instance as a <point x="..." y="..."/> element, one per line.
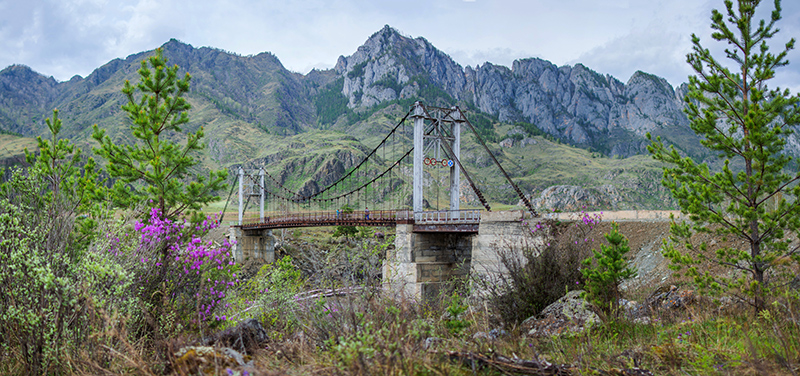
<point x="249" y="244"/>
<point x="498" y="230"/>
<point x="424" y="265"/>
<point x="399" y="271"/>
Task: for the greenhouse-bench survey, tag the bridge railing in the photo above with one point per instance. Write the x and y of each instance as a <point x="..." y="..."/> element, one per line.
<point x="362" y="218"/>
<point x="448" y="216"/>
<point x="323" y="218"/>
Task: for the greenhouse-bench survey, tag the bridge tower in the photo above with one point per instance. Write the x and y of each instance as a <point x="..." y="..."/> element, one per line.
<point x="437" y="142"/>
<point x="254" y="243"/>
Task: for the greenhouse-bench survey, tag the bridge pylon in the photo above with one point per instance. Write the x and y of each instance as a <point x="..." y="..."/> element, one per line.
<point x="437" y="143"/>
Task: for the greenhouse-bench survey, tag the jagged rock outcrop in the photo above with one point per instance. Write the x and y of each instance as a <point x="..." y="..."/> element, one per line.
<point x="574" y="104"/>
<point x="574" y="198"/>
<point x="569" y="314"/>
<point x="391" y="66"/>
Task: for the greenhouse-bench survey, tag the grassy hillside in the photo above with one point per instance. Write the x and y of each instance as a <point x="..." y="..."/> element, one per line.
<point x="12" y="148"/>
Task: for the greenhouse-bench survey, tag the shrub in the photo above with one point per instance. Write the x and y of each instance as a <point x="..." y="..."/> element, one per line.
<point x="269" y="296"/>
<point x="185" y="294"/>
<point x="454" y="321"/>
<point x="48" y="273"/>
<point x="541" y="273"/>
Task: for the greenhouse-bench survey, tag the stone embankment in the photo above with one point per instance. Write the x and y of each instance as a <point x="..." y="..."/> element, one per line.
<point x="646" y="231"/>
<point x="620" y="215"/>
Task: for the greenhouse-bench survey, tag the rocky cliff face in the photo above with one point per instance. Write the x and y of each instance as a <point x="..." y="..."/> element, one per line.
<point x="24" y="95"/>
<point x="574" y="104"/>
<point x="390" y="66"/>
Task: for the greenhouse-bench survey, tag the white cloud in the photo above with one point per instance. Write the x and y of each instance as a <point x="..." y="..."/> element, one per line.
<point x="67" y="37"/>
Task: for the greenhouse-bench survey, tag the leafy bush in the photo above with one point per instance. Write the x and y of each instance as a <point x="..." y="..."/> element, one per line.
<point x="269" y="296"/>
<point x="185" y="294"/>
<point x="48" y="273"/>
<point x="543" y="272"/>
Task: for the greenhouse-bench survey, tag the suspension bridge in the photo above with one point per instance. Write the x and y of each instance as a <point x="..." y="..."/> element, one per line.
<point x="411" y="180"/>
<point x="406" y="167"/>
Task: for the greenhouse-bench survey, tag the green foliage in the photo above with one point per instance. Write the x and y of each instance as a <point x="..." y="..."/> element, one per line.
<point x="747" y="125"/>
<point x="48" y="274"/>
<point x="357" y="71"/>
<point x="484" y="125"/>
<point x="454" y="321"/>
<point x="60" y="164"/>
<point x="348" y="232"/>
<point x="331" y="103"/>
<point x="155" y="167"/>
<point x="157" y="175"/>
<point x="540" y="273"/>
<point x="606" y="269"/>
<point x="271" y="294"/>
<point x="11" y="133"/>
<point x="389" y="81"/>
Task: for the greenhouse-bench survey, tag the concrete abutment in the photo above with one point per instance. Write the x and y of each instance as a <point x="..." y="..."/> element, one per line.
<point x="252" y="245"/>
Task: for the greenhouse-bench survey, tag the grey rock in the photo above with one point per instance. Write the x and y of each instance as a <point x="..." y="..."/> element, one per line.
<point x="247" y="336"/>
<point x="574" y="198"/>
<point x="491" y="335"/>
<point x="572" y="103"/>
<point x="569" y="314"/>
<point x="431" y="342"/>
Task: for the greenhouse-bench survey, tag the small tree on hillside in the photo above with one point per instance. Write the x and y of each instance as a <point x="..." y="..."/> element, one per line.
<point x="607" y="269"/>
<point x="155" y="167"/>
<point x="747" y="124"/>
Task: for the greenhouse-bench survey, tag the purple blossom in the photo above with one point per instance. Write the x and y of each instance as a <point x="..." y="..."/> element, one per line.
<point x="189" y="253"/>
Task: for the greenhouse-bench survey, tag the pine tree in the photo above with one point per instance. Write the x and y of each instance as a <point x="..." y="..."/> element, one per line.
<point x="606" y="270"/>
<point x="156" y="174"/>
<point x="154" y="167"/>
<point x="747" y="125"/>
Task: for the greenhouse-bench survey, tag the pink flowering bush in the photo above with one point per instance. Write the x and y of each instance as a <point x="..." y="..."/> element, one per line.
<point x="180" y="278"/>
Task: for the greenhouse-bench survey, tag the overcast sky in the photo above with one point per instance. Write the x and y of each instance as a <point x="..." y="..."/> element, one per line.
<point x="63" y="38"/>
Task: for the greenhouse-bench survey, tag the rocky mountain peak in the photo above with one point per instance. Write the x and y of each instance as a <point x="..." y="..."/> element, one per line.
<point x="390" y="66"/>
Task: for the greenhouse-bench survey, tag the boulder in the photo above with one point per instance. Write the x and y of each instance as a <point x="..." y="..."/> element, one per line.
<point x="247" y="336"/>
<point x="208" y="360"/>
<point x="570" y="314"/>
<point x="670" y="298"/>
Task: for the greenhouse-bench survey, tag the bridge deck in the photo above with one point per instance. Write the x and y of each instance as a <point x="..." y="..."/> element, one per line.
<point x="427" y="221"/>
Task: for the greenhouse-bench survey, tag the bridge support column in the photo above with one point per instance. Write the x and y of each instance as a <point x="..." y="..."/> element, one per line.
<point x="262" y="192"/>
<point x="419" y="153"/>
<point x="252" y="245"/>
<point x="455" y="173"/>
<point x="426" y="265"/>
<point x="241" y="195"/>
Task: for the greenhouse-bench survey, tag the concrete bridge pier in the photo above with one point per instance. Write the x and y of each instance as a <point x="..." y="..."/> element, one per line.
<point x="253" y="245"/>
<point x="426" y="265"/>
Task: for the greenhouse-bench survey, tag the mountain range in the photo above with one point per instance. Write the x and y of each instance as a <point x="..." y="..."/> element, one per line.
<point x="562" y="131"/>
